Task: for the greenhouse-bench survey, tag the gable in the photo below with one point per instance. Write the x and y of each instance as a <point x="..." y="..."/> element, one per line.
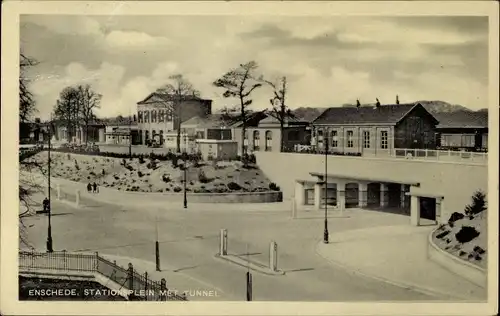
<point x="419" y="111"/>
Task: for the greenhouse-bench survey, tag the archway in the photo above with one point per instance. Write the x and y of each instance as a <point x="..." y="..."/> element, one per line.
<point x="351" y="195"/>
<point x="428" y="208"/>
<point x="373" y="194"/>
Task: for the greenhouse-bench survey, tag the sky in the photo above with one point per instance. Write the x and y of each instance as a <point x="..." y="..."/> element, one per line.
<point x="328" y="61"/>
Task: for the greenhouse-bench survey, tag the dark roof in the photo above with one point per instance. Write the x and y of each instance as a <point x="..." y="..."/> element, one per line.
<point x="168" y="97"/>
<point x="462" y="119"/>
<point x="272" y="118"/>
<point x="385" y="113"/>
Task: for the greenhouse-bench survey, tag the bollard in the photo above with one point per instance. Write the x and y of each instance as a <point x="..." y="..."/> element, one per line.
<point x="294" y="209"/>
<point x="77" y="198"/>
<point x="273" y="256"/>
<point x="223" y="242"/>
<point x="58" y="188"/>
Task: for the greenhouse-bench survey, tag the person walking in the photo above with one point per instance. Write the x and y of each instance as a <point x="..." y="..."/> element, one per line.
<point x="89" y="187"/>
<point x="95" y="187"/>
<point x="45" y="204"/>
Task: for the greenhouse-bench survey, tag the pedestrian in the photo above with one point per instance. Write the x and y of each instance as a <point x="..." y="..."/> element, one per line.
<point x="45" y="204"/>
<point x="89" y="187"/>
<point x="95" y="187"/>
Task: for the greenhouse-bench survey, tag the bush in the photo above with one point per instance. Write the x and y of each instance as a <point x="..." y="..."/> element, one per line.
<point x="177" y="189"/>
<point x="478" y="204"/>
<point x="479" y="250"/>
<point x="175" y="161"/>
<point x="130" y="168"/>
<point x="140" y="174"/>
<point x="466" y="234"/>
<point x="273" y="187"/>
<point x="141" y="160"/>
<point x="166" y="178"/>
<point x="233" y="186"/>
<point x="455" y="217"/>
<point x="443" y="234"/>
<point x="152" y="165"/>
<point x="202" y="177"/>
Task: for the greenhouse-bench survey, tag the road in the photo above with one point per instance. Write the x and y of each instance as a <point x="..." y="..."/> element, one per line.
<point x="189" y="241"/>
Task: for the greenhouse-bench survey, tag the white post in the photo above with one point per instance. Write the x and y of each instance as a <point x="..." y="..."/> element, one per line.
<point x="294" y="208"/>
<point x="58" y="188"/>
<point x="415" y="210"/>
<point x="223" y="242"/>
<point x="273" y="256"/>
<point x="77" y="197"/>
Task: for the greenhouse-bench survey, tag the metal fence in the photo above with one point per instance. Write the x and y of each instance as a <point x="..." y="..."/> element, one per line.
<point x="128" y="278"/>
<point x="404" y="153"/>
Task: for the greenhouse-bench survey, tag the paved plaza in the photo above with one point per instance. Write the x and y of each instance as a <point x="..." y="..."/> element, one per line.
<point x="189" y="241"/>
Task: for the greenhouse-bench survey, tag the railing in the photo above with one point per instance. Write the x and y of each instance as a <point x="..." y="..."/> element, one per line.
<point x="403" y="153"/>
<point x="128" y="279"/>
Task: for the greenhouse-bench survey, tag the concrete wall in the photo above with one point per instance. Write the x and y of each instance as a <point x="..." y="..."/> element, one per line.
<point x="455" y="181"/>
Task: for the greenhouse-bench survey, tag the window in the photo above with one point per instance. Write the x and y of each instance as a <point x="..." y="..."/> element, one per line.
<point x="269" y="140"/>
<point x="147" y="135"/>
<point x="457" y="140"/>
<point x="153" y="116"/>
<point x="139" y="116"/>
<point x="335" y="139"/>
<point x="256" y="140"/>
<point x="384" y="140"/>
<point x="161" y="116"/>
<point x="350" y="140"/>
<point x="366" y="139"/>
<point x="468" y="140"/>
<point x="146" y="116"/>
<point x="485" y="141"/>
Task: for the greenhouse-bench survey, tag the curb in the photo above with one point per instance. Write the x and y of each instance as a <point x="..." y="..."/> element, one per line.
<point x="249" y="265"/>
<point x="409" y="286"/>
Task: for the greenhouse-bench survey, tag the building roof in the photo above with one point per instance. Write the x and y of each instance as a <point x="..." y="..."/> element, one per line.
<point x="462" y="119"/>
<point x="384" y="114"/>
<point x="272" y="118"/>
<point x="158" y="97"/>
<point x="210" y="121"/>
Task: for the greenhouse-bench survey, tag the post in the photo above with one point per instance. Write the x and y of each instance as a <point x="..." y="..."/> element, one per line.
<point x="325" y="232"/>
<point x="415" y="210"/>
<point x="223" y="242"/>
<point x="49" y="227"/>
<point x="273" y="256"/>
<point x="130" y="275"/>
<point x="77" y="198"/>
<point x="58" y="187"/>
<point x="249" y="286"/>
<point x="185" y="180"/>
<point x="157" y="247"/>
<point x="163" y="289"/>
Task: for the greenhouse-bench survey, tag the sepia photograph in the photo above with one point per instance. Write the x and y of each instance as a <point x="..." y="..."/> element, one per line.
<point x="208" y="157"/>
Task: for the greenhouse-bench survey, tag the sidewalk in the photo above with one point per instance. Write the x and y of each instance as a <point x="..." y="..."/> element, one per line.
<point x="397" y="255"/>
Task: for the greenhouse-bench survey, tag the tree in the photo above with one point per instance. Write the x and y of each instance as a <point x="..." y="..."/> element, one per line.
<point x="89" y="101"/>
<point x="180" y="90"/>
<point x="478" y="204"/>
<point x="67" y="110"/>
<point x="240" y="83"/>
<point x="27" y="105"/>
<point x="281" y="112"/>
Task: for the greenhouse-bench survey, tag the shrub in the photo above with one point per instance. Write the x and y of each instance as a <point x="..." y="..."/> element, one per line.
<point x="466" y="234"/>
<point x="273" y="187"/>
<point x="442" y="234"/>
<point x="166" y="178"/>
<point x="177" y="189"/>
<point x="462" y="253"/>
<point x="175" y="161"/>
<point x="202" y="177"/>
<point x="141" y="160"/>
<point x="116" y="177"/>
<point x="478" y="257"/>
<point x="479" y="250"/>
<point x="478" y="204"/>
<point x="151" y="165"/>
<point x="233" y="186"/>
<point x="140" y="174"/>
<point x="455" y="217"/>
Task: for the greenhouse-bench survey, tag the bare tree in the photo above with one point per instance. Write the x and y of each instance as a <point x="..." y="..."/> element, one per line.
<point x="281" y="111"/>
<point x="240" y="83"/>
<point x="27" y="105"/>
<point x="89" y="102"/>
<point x="180" y="90"/>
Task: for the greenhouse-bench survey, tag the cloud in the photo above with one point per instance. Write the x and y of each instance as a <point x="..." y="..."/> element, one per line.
<point x="121" y="39"/>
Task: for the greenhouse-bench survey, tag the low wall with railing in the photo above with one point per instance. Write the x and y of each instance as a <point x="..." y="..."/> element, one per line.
<point x="128" y="278"/>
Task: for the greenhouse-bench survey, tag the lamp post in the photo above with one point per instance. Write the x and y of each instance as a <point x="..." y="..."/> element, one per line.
<point x="130" y="136"/>
<point x="325" y="233"/>
<point x="49" y="227"/>
<point x="185" y="178"/>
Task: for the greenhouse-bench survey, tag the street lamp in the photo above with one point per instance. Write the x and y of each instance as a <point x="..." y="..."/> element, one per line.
<point x="325" y="233"/>
<point x="49" y="227"/>
<point x="184" y="154"/>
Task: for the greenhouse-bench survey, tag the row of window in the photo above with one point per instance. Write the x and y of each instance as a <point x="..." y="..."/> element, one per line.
<point x="154" y="116"/>
<point x="457" y="140"/>
<point x="366" y="139"/>
<point x="256" y="140"/>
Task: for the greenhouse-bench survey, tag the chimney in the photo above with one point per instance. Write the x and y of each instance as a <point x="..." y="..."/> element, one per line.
<point x="378" y="103"/>
<point x="397" y="99"/>
<point x="357" y="103"/>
